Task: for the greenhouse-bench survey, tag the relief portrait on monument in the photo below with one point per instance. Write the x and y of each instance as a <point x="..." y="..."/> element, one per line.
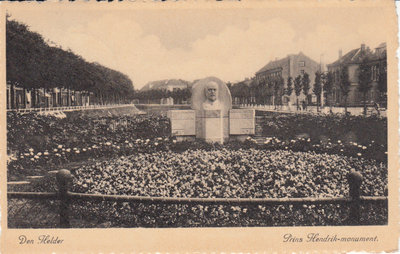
<point x="211" y="94"/>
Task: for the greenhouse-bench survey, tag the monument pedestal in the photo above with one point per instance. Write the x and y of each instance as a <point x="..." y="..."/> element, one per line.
<point x="242" y="122"/>
<point x="183" y="124"/>
<point x="211" y="125"/>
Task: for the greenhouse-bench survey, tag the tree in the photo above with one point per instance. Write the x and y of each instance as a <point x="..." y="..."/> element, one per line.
<point x="289" y="88"/>
<point x="306" y="84"/>
<point x="279" y="84"/>
<point x="328" y="86"/>
<point x="33" y="64"/>
<point x="317" y="90"/>
<point x="364" y="80"/>
<point x="344" y="85"/>
<point x="297" y="89"/>
<point x="382" y="83"/>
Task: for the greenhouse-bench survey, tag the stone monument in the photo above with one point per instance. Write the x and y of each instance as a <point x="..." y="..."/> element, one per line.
<point x="212" y="117"/>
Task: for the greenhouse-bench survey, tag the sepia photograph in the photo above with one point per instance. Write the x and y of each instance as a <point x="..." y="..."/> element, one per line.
<point x="199" y="118"/>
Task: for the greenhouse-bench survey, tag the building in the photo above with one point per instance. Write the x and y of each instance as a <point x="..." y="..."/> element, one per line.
<point x="167" y="91"/>
<point x="292" y="65"/>
<point x="18" y="97"/>
<point x="166" y="84"/>
<point x="351" y="61"/>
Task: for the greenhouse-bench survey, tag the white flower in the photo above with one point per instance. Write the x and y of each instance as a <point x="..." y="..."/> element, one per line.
<point x="77" y="151"/>
<point x="30" y="150"/>
<point x="46" y="153"/>
<point x="108" y="143"/>
<point x="359" y="154"/>
<point x="68" y="150"/>
<point x="59" y="146"/>
<point x="364" y="147"/>
<point x="84" y="149"/>
<point x="36" y="157"/>
<point x="39" y="154"/>
<point x="55" y="150"/>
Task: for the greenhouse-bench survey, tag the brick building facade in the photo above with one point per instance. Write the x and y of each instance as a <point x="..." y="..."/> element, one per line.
<point x="351" y="61"/>
<point x="291" y="66"/>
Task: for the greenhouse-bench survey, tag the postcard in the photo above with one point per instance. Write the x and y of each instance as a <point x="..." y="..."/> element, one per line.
<point x="199" y="126"/>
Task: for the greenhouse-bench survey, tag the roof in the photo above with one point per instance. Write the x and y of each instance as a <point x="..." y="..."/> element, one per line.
<point x="348" y="58"/>
<point x="273" y="65"/>
<point x="282" y="62"/>
<point x="165" y="83"/>
<point x="382" y="45"/>
<point x="355" y="56"/>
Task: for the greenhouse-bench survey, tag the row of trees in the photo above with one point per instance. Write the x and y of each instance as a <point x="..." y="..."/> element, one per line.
<point x="33" y="64"/>
<point x="271" y="90"/>
<point x="324" y="83"/>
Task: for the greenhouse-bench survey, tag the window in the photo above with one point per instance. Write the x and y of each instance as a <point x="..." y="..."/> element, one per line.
<point x="302" y="64"/>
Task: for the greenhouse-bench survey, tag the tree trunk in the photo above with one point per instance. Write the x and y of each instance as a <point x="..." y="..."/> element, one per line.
<point x="33" y="98"/>
<point x="69" y="97"/>
<point x="12" y="96"/>
<point x="365" y="103"/>
<point x="345" y="104"/>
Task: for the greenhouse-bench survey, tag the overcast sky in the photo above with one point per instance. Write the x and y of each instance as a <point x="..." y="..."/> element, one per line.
<point x="231" y="44"/>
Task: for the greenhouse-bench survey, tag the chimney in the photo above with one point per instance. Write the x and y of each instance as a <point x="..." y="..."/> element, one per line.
<point x="340" y="53"/>
<point x="362" y="47"/>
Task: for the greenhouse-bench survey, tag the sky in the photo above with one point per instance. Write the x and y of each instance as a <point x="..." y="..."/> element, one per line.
<point x="189" y="44"/>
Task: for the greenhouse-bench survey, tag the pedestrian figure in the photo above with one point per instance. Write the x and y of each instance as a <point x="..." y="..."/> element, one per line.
<point x="376" y="105"/>
<point x="304" y="105"/>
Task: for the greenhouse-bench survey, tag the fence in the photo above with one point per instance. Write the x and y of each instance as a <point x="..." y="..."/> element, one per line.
<point x="64" y="180"/>
<point x="314" y="110"/>
<point x="68" y="108"/>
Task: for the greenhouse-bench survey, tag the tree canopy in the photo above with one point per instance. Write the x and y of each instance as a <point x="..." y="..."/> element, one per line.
<point x="32" y="64"/>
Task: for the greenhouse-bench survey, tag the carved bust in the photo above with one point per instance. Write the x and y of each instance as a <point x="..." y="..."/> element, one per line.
<point x="211" y="94"/>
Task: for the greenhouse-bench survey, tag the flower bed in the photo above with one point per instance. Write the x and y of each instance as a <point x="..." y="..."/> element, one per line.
<point x="243" y="173"/>
<point x="36" y="142"/>
<point x="357" y="129"/>
<point x="230" y="173"/>
<point x="136" y="156"/>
